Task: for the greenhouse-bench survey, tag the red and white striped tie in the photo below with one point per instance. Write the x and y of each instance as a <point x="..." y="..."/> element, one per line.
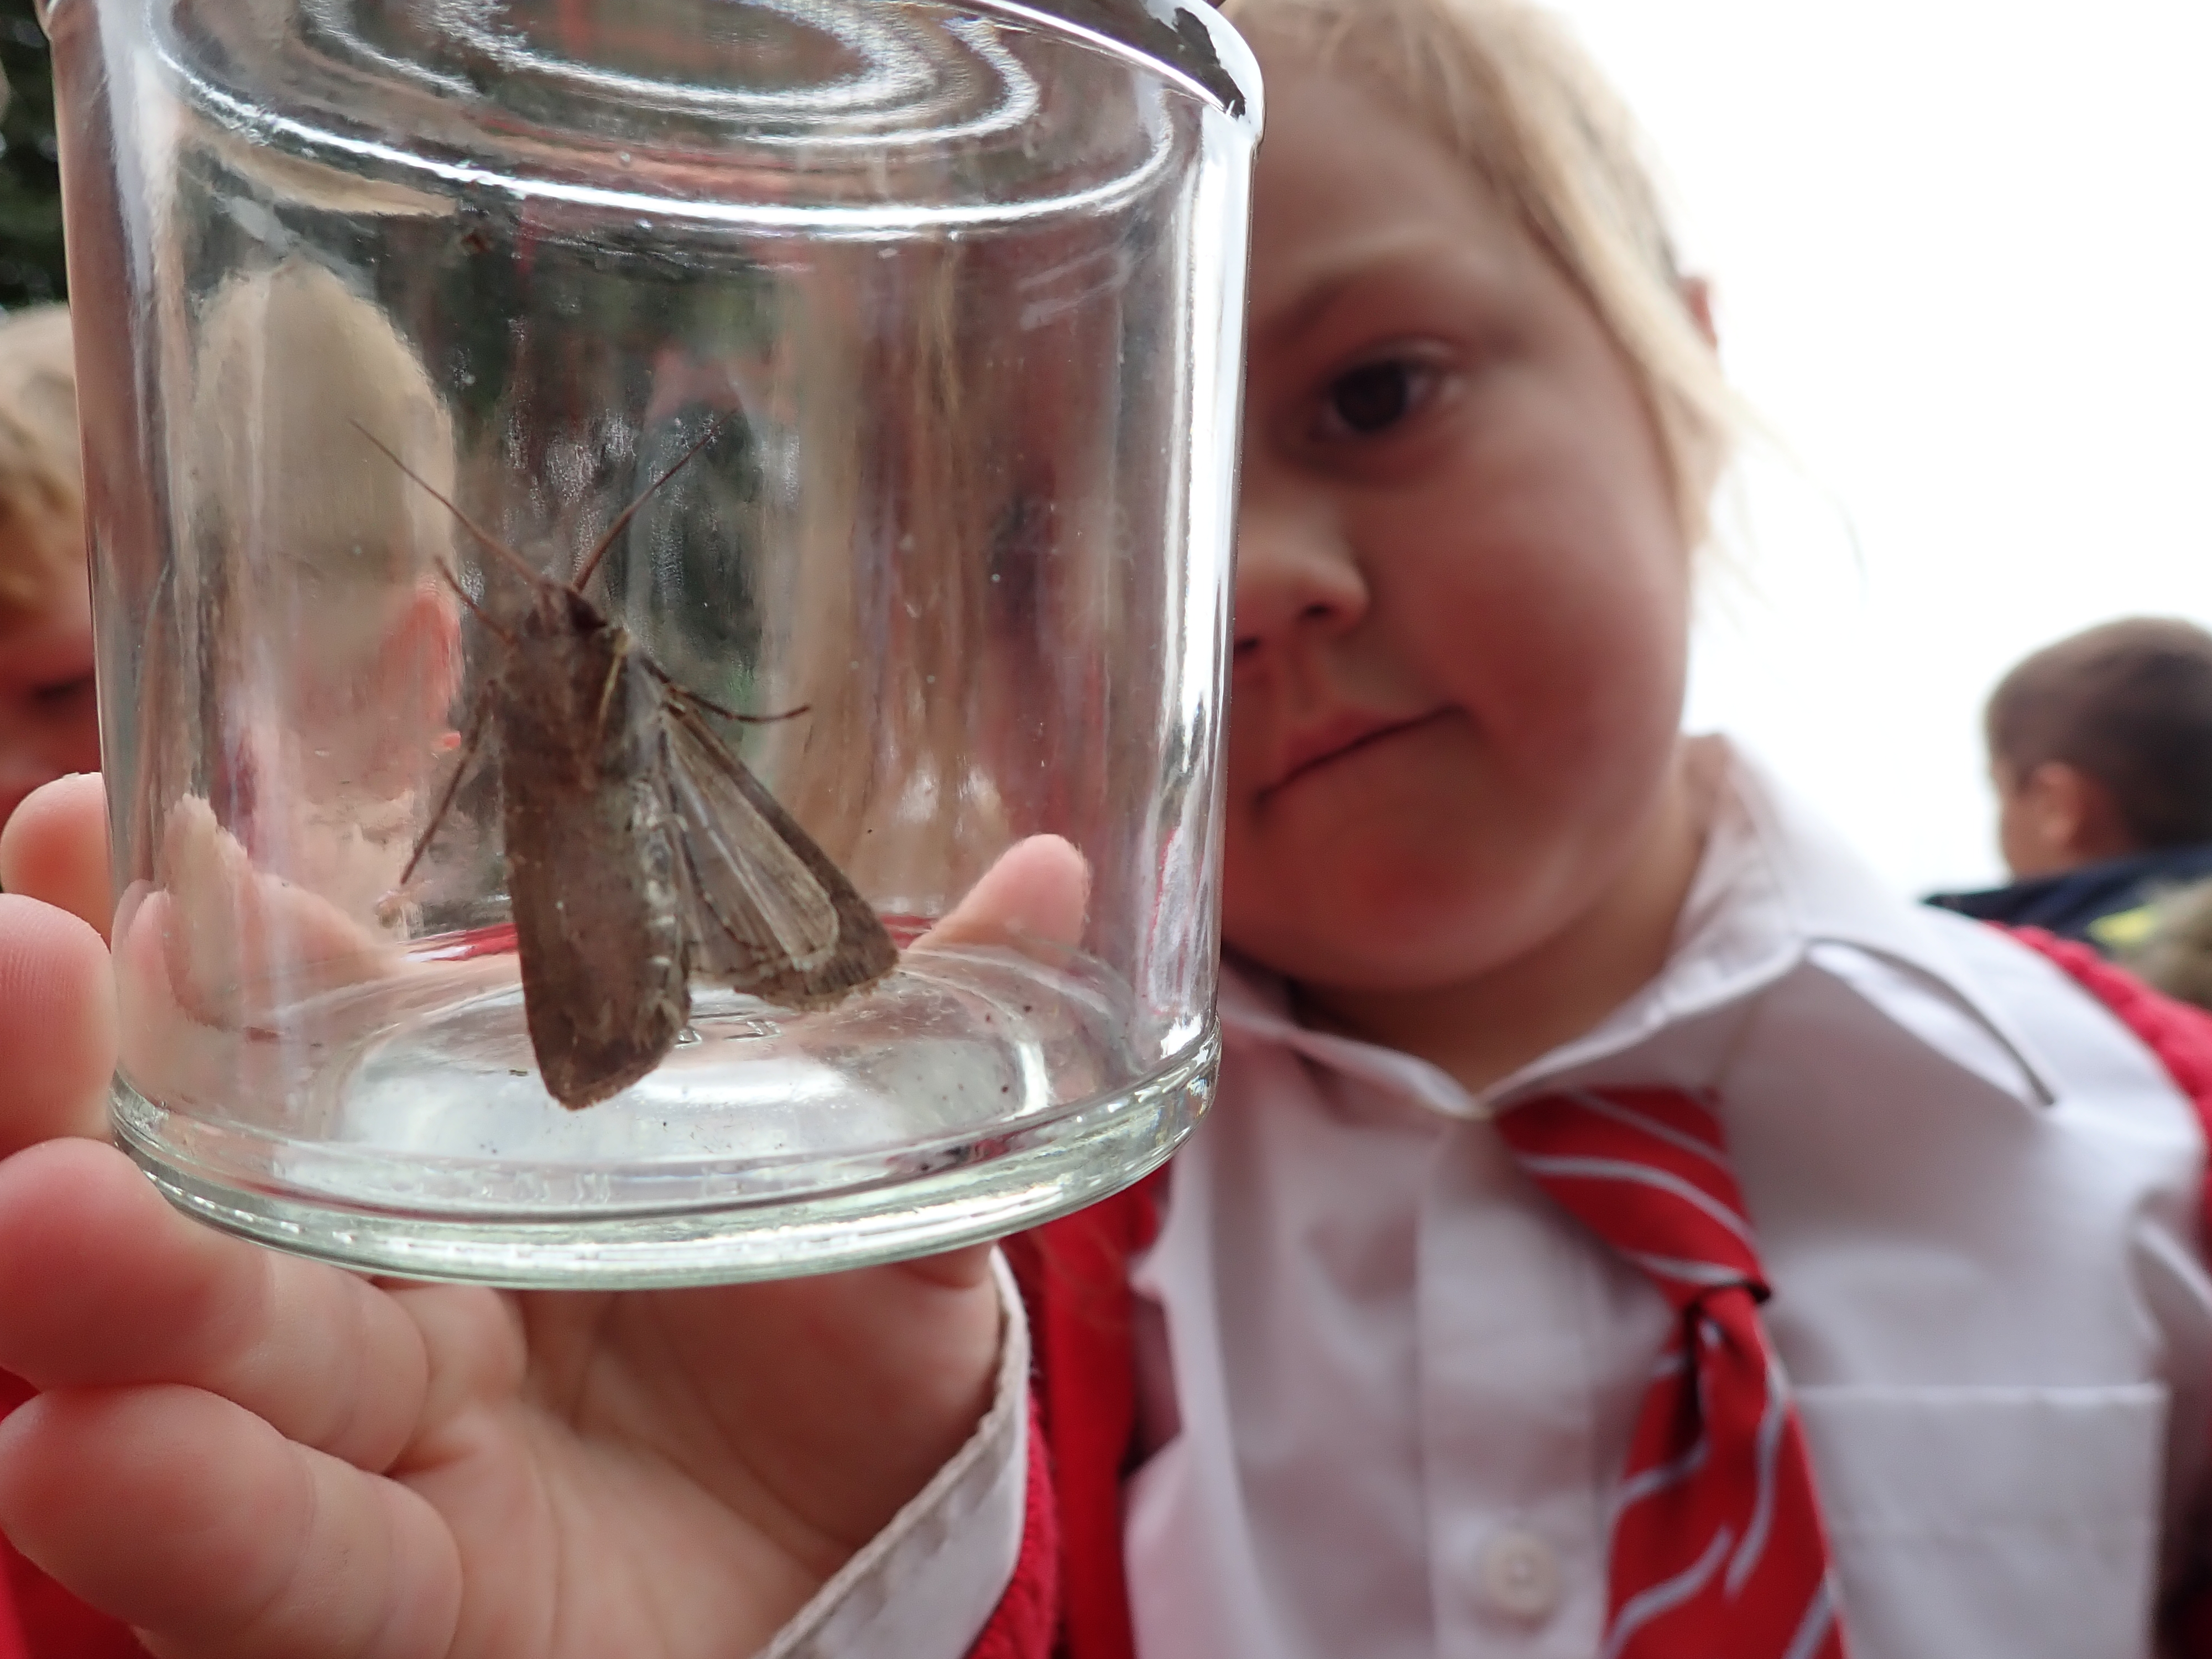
<point x="1717" y="1547"/>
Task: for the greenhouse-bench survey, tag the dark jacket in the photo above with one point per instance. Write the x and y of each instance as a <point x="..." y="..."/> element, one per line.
<point x="2107" y="904"/>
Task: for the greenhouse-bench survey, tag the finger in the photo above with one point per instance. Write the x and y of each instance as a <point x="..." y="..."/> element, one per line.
<point x="57" y="1025"/>
<point x="55" y="848"/>
<point x="1038" y="889"/>
<point x="235" y="937"/>
<point x="190" y="1518"/>
<point x="101" y="1282"/>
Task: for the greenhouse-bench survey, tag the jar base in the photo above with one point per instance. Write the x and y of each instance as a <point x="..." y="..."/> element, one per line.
<point x="806" y="1216"/>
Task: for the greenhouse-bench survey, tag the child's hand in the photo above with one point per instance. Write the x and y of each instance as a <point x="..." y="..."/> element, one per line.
<point x="245" y="1453"/>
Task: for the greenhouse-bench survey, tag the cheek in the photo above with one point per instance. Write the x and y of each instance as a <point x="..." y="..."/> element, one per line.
<point x="2016" y="837"/>
<point x="1446" y="861"/>
<point x="1572" y="663"/>
<point x="1565" y="598"/>
<point x="1451" y="853"/>
<point x="1586" y="713"/>
<point x="1382" y="828"/>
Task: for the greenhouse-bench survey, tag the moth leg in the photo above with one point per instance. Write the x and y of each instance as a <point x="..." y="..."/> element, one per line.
<point x="614" y="680"/>
<point x="474" y="735"/>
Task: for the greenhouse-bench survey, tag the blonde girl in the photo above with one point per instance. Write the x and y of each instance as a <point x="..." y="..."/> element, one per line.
<point x="1624" y="1227"/>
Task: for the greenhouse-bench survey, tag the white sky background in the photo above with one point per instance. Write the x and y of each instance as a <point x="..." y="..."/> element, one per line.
<point x="1962" y="251"/>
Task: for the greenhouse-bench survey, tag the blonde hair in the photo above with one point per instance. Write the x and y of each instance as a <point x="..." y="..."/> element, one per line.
<point x="295" y="372"/>
<point x="41" y="476"/>
<point x="1507" y="91"/>
<point x="298" y="548"/>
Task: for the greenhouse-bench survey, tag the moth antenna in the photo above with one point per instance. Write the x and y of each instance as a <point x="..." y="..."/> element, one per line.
<point x="462" y="595"/>
<point x="483" y="538"/>
<point x="582" y="578"/>
<point x="452" y="788"/>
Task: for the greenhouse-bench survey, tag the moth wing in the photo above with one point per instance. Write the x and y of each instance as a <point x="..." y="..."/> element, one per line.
<point x="766" y="911"/>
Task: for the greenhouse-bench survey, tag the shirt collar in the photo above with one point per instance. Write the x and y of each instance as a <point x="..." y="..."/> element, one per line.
<point x="1773" y="882"/>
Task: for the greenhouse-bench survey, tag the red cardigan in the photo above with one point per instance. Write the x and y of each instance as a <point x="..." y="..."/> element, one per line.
<point x="1069" y="1599"/>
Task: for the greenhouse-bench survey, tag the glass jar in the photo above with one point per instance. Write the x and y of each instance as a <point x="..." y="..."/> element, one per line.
<point x="661" y="571"/>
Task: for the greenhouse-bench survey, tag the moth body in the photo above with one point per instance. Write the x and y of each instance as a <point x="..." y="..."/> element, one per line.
<point x="591" y="850"/>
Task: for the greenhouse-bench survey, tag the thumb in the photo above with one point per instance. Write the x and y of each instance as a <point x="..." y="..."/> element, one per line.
<point x="1036" y="892"/>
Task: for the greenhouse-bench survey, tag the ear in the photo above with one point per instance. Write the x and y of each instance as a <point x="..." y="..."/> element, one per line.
<point x="2058" y="818"/>
<point x="1698" y="300"/>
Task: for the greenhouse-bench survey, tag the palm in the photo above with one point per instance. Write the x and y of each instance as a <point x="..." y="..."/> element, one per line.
<point x="652" y="1474"/>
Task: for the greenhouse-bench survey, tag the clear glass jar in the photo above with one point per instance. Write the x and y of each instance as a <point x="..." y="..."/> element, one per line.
<point x="815" y="865"/>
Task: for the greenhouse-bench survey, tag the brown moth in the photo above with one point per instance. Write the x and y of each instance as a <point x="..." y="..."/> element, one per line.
<point x="640" y="850"/>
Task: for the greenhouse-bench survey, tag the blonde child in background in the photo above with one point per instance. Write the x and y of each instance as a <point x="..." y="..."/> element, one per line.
<point x="49" y="725"/>
<point x="1624" y="1227"/>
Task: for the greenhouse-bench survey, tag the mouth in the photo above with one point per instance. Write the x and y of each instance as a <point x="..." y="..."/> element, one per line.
<point x="1317" y="746"/>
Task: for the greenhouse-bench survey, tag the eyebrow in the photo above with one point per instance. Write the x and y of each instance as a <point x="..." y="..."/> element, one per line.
<point x="1360" y="262"/>
<point x="1315" y="301"/>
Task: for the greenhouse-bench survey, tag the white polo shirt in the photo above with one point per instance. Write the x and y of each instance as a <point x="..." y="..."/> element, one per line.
<point x="1388" y="1386"/>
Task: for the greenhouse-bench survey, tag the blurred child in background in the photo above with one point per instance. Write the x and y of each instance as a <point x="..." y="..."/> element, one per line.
<point x="49" y="724"/>
<point x="2100" y="751"/>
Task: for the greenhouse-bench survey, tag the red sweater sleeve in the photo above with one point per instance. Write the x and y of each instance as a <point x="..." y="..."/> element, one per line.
<point x="1028" y="1614"/>
<point x="2180" y="1035"/>
<point x="39" y="1619"/>
<point x="1074" y="1279"/>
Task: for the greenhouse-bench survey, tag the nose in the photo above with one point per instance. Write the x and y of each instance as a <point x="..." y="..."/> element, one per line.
<point x="1297" y="579"/>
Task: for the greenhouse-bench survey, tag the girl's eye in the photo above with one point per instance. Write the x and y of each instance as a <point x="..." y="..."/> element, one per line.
<point x="1376" y="397"/>
<point x="62" y="693"/>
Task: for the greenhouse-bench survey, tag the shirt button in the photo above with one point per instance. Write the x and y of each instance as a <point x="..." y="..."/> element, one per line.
<point x="1521" y="1576"/>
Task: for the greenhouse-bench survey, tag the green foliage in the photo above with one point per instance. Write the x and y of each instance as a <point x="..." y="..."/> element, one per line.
<point x="30" y="179"/>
